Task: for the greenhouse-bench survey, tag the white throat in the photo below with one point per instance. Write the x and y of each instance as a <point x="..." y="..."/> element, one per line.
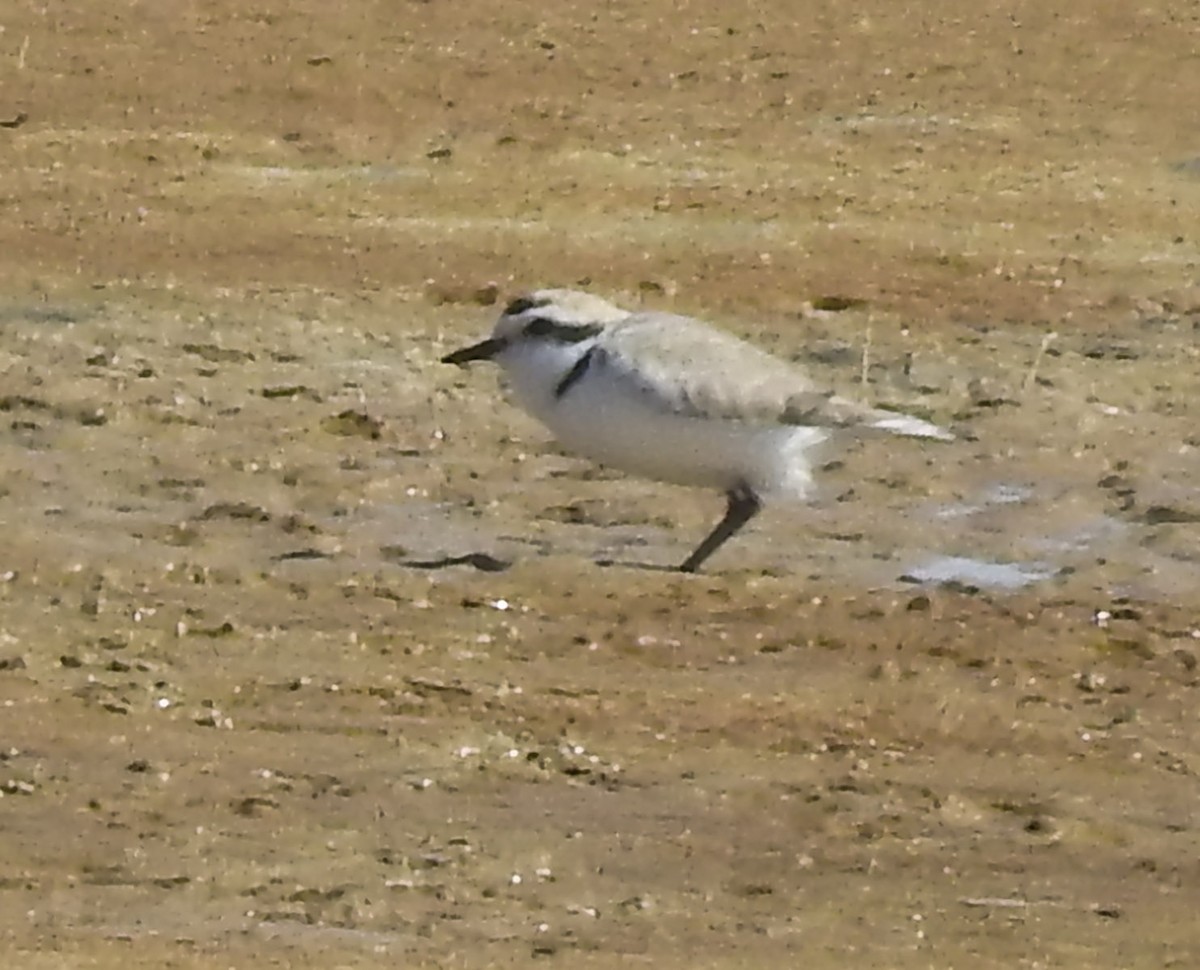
<point x="536" y="370"/>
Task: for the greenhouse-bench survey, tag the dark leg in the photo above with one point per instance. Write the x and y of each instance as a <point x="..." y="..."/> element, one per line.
<point x="743" y="506"/>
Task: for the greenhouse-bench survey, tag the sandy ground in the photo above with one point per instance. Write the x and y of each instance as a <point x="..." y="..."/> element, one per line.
<point x="308" y="655"/>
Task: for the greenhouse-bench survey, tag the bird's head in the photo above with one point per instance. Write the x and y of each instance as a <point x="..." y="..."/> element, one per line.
<point x="544" y="317"/>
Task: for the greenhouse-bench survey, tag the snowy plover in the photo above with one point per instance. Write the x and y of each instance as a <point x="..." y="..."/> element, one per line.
<point x="670" y="398"/>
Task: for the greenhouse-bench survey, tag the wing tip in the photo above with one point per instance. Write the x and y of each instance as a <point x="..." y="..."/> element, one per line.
<point x="910" y="427"/>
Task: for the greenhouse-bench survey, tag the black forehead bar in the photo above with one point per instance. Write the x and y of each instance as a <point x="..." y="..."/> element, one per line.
<point x="521" y="304"/>
<point x="564" y="333"/>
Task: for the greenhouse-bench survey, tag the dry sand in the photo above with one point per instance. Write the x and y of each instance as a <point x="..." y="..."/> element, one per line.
<point x="252" y="712"/>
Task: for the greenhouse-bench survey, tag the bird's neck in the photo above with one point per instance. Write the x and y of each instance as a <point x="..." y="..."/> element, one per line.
<point x="536" y="370"/>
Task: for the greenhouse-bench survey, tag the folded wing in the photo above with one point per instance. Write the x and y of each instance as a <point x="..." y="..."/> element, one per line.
<point x="685" y="367"/>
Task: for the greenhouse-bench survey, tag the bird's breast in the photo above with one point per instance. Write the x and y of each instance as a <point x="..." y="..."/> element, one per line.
<point x="605" y="419"/>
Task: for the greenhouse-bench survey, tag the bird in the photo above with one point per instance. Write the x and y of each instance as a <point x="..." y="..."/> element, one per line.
<point x="671" y="398"/>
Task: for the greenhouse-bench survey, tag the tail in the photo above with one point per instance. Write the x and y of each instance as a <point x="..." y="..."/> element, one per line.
<point x="907" y="425"/>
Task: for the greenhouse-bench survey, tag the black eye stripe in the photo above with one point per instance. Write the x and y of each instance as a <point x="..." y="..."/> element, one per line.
<point x="561" y="332"/>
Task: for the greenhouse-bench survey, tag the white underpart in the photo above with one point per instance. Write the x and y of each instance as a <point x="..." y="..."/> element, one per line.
<point x="598" y="419"/>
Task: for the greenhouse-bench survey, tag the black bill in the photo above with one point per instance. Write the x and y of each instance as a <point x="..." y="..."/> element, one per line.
<point x="484" y="350"/>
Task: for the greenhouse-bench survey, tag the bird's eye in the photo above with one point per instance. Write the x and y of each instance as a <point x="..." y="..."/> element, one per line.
<point x="563" y="333"/>
<point x="540" y="327"/>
